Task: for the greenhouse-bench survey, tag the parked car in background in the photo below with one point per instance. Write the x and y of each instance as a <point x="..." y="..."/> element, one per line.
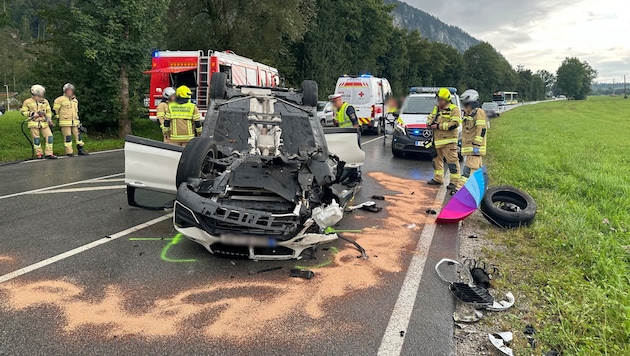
<point x="492" y="109"/>
<point x="325" y="113"/>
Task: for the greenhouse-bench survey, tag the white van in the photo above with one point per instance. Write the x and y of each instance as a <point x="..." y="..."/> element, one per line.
<point x="367" y="94"/>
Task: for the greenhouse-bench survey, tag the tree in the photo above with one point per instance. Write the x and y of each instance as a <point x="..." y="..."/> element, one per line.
<point x="103" y="46"/>
<point x="487" y="70"/>
<point x="574" y="78"/>
<point x="548" y="78"/>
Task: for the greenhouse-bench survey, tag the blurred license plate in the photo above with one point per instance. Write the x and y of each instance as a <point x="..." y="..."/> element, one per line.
<point x="247" y="240"/>
<point x="420" y="143"/>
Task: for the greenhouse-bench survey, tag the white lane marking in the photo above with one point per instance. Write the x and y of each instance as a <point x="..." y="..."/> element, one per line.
<point x="399" y="320"/>
<point x="107" y="180"/>
<point x="372" y="140"/>
<point x="106" y="151"/>
<point x="60" y="186"/>
<point x="64" y="157"/>
<point x="80" y="249"/>
<point x="82" y="189"/>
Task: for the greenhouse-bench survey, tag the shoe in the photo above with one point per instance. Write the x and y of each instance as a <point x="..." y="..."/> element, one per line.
<point x="82" y="152"/>
<point x="433" y="182"/>
<point x="70" y="154"/>
<point x="51" y="157"/>
<point x="451" y="186"/>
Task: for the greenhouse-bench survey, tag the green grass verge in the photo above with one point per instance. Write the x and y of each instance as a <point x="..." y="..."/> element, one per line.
<point x="573" y="264"/>
<point x="14" y="146"/>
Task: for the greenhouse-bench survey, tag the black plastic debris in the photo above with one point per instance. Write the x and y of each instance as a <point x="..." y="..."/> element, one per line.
<point x="372" y="208"/>
<point x="552" y="353"/>
<point x="378" y="197"/>
<point x="465" y="292"/>
<point x="402" y="333"/>
<point x="473" y="236"/>
<point x="481" y="277"/>
<point x="302" y="273"/>
<point x="430" y="211"/>
<point x="529" y="332"/>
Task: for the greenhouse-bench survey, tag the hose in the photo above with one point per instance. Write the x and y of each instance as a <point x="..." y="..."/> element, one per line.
<point x="28" y="139"/>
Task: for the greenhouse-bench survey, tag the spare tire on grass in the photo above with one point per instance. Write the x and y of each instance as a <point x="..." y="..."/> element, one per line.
<point x="508" y="207"/>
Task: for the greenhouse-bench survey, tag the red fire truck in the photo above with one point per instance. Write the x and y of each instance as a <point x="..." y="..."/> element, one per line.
<point x="194" y="69"/>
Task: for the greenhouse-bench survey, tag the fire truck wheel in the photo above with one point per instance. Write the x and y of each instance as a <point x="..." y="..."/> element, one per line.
<point x="218" y="86"/>
<point x="309" y="93"/>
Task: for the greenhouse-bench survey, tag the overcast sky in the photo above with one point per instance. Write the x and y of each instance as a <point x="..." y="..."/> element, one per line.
<point x="539" y="34"/>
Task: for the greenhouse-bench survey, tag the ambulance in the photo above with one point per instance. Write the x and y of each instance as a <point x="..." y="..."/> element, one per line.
<point x="367" y="94"/>
<point x="194" y="69"/>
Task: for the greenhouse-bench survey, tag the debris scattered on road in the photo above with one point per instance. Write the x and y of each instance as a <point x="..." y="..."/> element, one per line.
<point x="356" y="244"/>
<point x="302" y="273"/>
<point x="328" y="216"/>
<point x="502" y="304"/>
<point x="402" y="333"/>
<point x="480" y="277"/>
<point x="430" y="211"/>
<point x="331" y="230"/>
<point x="465" y="292"/>
<point x="360" y="206"/>
<point x="529" y="332"/>
<point x="411" y="226"/>
<point x="473" y="236"/>
<point x="378" y="197"/>
<point x="502" y="342"/>
<point x="372" y="208"/>
<point x="265" y="270"/>
<point x="470" y="318"/>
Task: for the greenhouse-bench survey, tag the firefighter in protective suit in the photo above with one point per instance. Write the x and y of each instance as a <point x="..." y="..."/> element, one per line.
<point x="67" y="109"/>
<point x="168" y="96"/>
<point x="444" y="120"/>
<point x="37" y="110"/>
<point x="182" y="121"/>
<point x="474" y="132"/>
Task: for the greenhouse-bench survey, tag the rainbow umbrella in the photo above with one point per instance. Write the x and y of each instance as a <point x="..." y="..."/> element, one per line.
<point x="466" y="200"/>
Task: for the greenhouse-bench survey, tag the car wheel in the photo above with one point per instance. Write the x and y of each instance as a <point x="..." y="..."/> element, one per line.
<point x="323" y="122"/>
<point x="508" y="207"/>
<point x="194" y="160"/>
<point x="218" y="86"/>
<point x="309" y="93"/>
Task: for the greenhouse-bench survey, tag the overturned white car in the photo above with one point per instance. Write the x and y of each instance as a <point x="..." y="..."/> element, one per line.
<point x="264" y="178"/>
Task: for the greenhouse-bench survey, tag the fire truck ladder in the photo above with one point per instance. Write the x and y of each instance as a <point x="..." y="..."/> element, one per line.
<point x="204" y="81"/>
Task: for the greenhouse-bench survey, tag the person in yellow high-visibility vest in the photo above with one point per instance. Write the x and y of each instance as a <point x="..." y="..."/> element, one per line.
<point x="37" y="110"/>
<point x="182" y="121"/>
<point x="67" y="109"/>
<point x="168" y="96"/>
<point x="474" y="132"/>
<point x="346" y="115"/>
<point x="444" y="120"/>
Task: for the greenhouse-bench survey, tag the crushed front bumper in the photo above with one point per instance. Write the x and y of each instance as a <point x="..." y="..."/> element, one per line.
<point x="237" y="232"/>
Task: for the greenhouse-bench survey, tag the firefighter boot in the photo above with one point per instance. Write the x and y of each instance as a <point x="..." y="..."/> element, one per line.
<point x="81" y="151"/>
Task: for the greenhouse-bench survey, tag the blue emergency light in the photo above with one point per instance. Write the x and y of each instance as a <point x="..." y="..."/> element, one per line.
<point x="156" y="54"/>
<point x="416" y="132"/>
<point x="367" y="75"/>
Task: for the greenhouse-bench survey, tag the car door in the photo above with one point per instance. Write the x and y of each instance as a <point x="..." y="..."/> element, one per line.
<point x="150" y="170"/>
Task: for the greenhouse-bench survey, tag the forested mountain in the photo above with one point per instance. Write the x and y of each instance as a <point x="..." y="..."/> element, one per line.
<point x="429" y="26"/>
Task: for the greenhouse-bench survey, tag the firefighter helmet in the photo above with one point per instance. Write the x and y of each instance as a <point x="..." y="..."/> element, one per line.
<point x="38" y="90"/>
<point x="184" y="92"/>
<point x="168" y="92"/>
<point x="445" y="94"/>
<point x="470" y="96"/>
<point x="68" y="86"/>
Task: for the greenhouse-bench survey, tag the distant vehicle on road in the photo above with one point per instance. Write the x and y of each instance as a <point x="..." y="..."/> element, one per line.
<point x="367" y="94"/>
<point x="325" y="113"/>
<point x="503" y="98"/>
<point x="410" y="131"/>
<point x="492" y="109"/>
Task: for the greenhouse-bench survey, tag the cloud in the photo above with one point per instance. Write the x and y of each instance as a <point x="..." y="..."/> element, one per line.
<point x="540" y="34"/>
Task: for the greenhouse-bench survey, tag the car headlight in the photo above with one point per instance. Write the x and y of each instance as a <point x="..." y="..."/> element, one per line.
<point x="400" y="129"/>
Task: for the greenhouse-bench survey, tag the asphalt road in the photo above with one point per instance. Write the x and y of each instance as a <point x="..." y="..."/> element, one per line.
<point x="78" y="275"/>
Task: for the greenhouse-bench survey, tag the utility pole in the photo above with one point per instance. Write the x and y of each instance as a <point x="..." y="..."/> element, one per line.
<point x="613" y="93"/>
<point x="625" y="92"/>
<point x="8" y="105"/>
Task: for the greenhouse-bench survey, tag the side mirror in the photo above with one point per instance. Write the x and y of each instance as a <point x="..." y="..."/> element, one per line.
<point x="149" y="199"/>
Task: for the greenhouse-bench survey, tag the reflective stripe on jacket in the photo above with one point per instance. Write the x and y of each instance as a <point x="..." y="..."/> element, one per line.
<point x="446" y="119"/>
<point x="343" y="120"/>
<point x="183" y="117"/>
<point x="67" y="110"/>
<point x="31" y="107"/>
<point x="474" y="133"/>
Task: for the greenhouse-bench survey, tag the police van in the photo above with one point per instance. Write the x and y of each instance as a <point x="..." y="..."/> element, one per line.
<point x="367" y="94"/>
<point x="410" y="131"/>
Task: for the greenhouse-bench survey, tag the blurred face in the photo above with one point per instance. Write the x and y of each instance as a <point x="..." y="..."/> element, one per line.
<point x="70" y="92"/>
<point x="442" y="103"/>
<point x="172" y="97"/>
<point x="467" y="107"/>
<point x="337" y="103"/>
